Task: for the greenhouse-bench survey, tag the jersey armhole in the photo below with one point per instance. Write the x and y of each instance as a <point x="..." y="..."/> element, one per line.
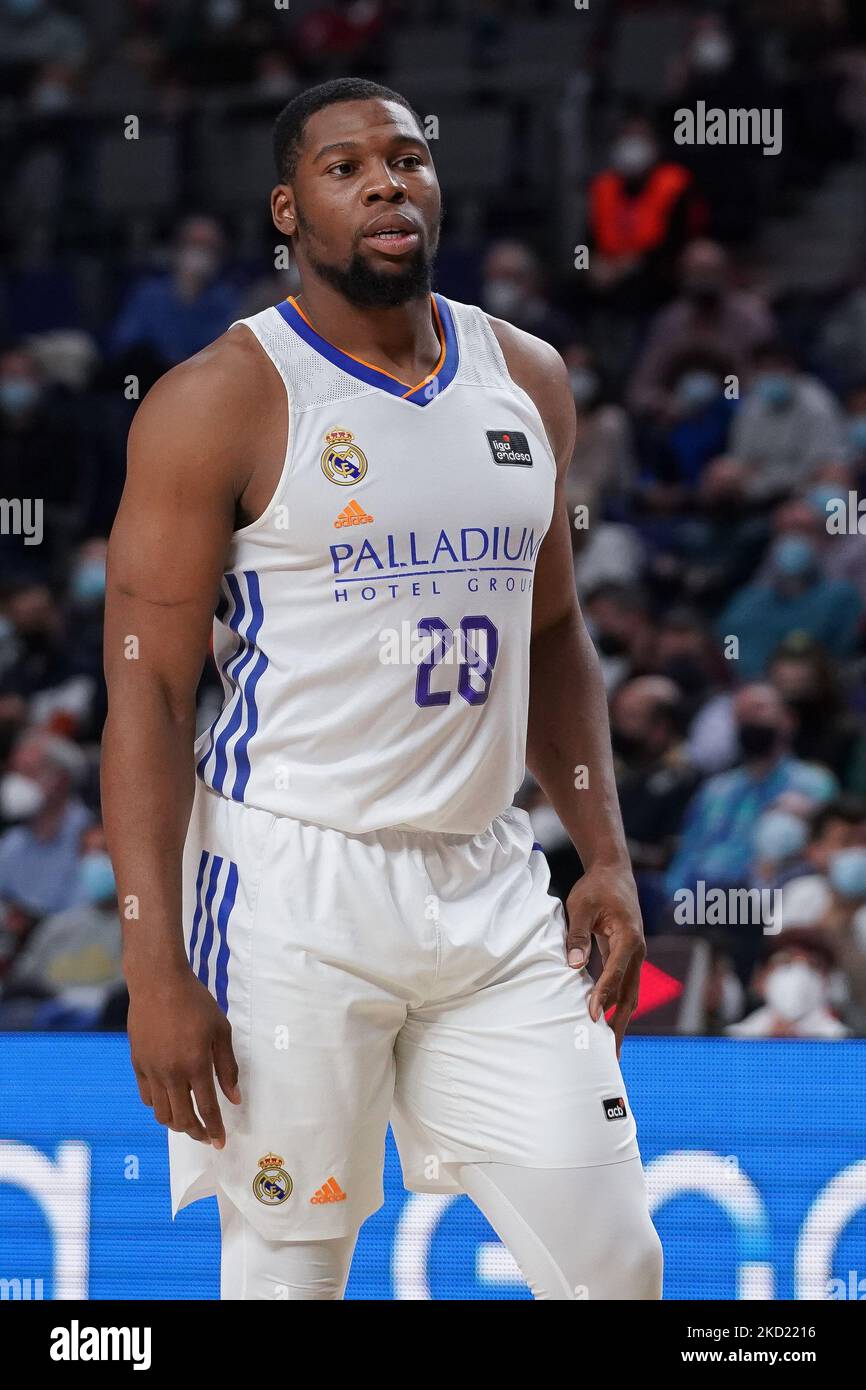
<point x="521" y="391"/>
<point x="285" y="471"/>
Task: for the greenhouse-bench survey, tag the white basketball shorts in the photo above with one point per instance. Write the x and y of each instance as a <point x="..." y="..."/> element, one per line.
<point x="396" y="975"/>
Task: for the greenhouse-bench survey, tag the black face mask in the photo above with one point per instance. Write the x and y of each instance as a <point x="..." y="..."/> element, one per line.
<point x="688" y="673"/>
<point x="9" y="732"/>
<point x="724" y="509"/>
<point x="808" y="707"/>
<point x="757" y="740"/>
<point x="704" y="296"/>
<point x="626" y="746"/>
<point x="36" y="641"/>
<point x="610" y="644"/>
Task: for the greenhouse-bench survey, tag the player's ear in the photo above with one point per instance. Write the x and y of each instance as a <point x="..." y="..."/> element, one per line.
<point x="283" y="209"/>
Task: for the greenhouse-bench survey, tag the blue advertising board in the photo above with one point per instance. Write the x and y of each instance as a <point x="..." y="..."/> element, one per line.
<point x="755" y="1155"/>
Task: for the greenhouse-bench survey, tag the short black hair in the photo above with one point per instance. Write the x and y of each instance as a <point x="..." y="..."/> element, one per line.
<point x="847" y="807"/>
<point x="774" y="350"/>
<point x="289" y="125"/>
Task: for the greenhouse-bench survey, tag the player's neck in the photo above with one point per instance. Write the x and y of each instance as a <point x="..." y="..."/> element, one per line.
<point x="401" y="340"/>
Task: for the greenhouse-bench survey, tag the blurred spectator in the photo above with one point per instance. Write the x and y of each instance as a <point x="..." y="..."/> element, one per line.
<point x="721" y="72"/>
<point x="795" y="986"/>
<point x="843" y="554"/>
<point x="33" y="33"/>
<point x="841" y="349"/>
<point x="717" y="843"/>
<point x="780" y="839"/>
<point x="809" y="516"/>
<point x="706" y="315"/>
<point x="512" y="289"/>
<point x="855" y="426"/>
<point x="642" y="210"/>
<point x="36" y="658"/>
<point x="724" y="995"/>
<point x="602" y="474"/>
<point x="717" y="548"/>
<point x="44" y="455"/>
<point x="214" y="42"/>
<point x="75" y="955"/>
<point x="825" y="730"/>
<point x="40" y="852"/>
<point x="693" y="428"/>
<point x="175" y="315"/>
<point x="683" y="650"/>
<point x="348" y="31"/>
<point x="608" y="554"/>
<point x="276" y="78"/>
<point x="654" y="778"/>
<point x="795" y="597"/>
<point x="13" y="715"/>
<point x="618" y="619"/>
<point x="837" y="827"/>
<point x="788" y="423"/>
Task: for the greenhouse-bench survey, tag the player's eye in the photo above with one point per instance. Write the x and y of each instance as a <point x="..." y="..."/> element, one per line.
<point x="412" y="161"/>
<point x="342" y="169"/>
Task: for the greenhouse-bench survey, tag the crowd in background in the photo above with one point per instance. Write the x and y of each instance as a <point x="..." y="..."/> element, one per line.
<point x="720" y="456"/>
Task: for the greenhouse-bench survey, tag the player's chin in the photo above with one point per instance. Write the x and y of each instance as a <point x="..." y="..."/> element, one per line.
<point x="405" y="263"/>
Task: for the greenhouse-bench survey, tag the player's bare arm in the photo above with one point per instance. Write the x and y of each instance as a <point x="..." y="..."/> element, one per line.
<point x="191" y="480"/>
<point x="568" y="727"/>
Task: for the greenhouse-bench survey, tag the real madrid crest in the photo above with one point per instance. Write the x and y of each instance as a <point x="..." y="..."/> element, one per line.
<point x="343" y="462"/>
<point x="272" y="1185"/>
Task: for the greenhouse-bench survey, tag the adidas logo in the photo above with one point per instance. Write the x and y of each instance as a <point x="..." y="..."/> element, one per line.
<point x="353" y="515"/>
<point x="331" y="1192"/>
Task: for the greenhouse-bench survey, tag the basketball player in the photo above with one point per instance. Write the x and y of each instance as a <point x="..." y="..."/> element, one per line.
<point x="336" y="916"/>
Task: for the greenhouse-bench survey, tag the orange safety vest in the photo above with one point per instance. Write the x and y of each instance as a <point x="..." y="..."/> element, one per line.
<point x="625" y="224"/>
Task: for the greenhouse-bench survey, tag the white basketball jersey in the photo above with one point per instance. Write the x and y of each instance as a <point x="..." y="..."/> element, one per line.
<point x="373" y="626"/>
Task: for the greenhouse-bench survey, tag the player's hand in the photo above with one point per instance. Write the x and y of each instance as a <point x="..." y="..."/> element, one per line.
<point x="179" y="1038"/>
<point x="604" y="904"/>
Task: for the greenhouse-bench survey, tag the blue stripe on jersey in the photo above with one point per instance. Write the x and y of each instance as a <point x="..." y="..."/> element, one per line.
<point x="207" y="939"/>
<point x="227" y="902"/>
<point x="196" y="922"/>
<point x="242" y="757"/>
<point x="243" y="706"/>
<point x="238" y="612"/>
<point x="363" y="371"/>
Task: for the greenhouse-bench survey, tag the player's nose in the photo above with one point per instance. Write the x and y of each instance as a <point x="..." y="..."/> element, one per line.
<point x="386" y="186"/>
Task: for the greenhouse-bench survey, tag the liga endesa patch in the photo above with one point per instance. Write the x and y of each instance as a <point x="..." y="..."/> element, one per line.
<point x="509" y="447"/>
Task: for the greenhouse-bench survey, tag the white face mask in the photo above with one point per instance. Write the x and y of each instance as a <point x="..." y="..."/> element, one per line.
<point x="712" y="52"/>
<point x="196" y="261"/>
<point x="633" y="154"/>
<point x="20" y="797"/>
<point x="795" y="989"/>
<point x="502" y="297"/>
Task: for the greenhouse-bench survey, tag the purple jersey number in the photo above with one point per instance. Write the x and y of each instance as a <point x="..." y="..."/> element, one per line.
<point x="475" y="670"/>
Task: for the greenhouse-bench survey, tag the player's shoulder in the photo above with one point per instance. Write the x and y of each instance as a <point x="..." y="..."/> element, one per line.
<point x="217" y="393"/>
<point x="539" y="370"/>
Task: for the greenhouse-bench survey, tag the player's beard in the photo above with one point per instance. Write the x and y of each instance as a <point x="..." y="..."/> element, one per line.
<point x="367" y="288"/>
